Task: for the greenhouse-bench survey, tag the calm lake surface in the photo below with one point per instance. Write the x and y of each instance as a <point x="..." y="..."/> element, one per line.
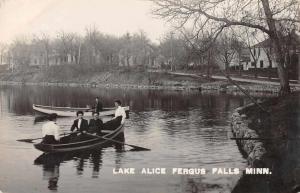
<point x="183" y="129"/>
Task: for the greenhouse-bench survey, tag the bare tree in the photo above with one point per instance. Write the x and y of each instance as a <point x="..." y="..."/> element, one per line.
<point x="67" y="46"/>
<point x="21" y="51"/>
<point x="228" y="49"/>
<point x="3" y="52"/>
<point x="174" y="48"/>
<point x="92" y="41"/>
<point x="44" y="40"/>
<point x="271" y="17"/>
<point x="254" y="51"/>
<point x="204" y="46"/>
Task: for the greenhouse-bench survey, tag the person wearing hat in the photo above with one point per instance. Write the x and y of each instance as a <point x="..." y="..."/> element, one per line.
<point x="50" y="130"/>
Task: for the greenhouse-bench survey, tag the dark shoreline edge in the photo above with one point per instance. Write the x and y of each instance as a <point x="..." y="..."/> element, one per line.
<point x="258" y="152"/>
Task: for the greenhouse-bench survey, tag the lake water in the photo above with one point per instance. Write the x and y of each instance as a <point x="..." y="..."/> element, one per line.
<point x="183" y="130"/>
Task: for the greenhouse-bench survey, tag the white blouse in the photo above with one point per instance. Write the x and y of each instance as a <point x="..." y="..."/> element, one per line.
<point x="120" y="112"/>
<point x="50" y="128"/>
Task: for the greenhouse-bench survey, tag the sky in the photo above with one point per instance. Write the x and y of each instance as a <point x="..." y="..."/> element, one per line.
<point x="115" y="17"/>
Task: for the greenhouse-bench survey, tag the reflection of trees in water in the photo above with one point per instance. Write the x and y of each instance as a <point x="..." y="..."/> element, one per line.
<point x="17" y="99"/>
<point x="198" y="110"/>
<point x="20" y="99"/>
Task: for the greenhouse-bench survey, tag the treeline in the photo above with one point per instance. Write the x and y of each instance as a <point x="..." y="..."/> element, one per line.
<point x="174" y="51"/>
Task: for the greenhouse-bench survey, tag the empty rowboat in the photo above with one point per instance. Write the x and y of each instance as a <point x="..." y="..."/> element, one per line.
<point x="71" y="111"/>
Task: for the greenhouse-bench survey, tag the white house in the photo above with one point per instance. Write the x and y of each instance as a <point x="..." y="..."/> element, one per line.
<point x="263" y="53"/>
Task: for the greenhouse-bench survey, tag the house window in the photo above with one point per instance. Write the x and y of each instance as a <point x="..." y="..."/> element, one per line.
<point x="253" y="64"/>
<point x="261" y="64"/>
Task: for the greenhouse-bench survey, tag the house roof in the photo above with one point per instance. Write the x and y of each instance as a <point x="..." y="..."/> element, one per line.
<point x="293" y="39"/>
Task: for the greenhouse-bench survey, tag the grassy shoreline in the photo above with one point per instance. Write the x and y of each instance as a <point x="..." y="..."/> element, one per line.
<point x="95" y="76"/>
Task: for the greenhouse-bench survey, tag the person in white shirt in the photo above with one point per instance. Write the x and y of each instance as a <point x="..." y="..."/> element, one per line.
<point x="50" y="130"/>
<point x="120" y="115"/>
<point x="120" y="111"/>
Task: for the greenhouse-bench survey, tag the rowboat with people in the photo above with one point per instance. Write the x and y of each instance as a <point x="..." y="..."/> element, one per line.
<point x="90" y="142"/>
<point x="71" y="111"/>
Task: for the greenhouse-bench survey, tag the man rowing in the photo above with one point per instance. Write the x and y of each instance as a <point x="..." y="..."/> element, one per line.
<point x="51" y="130"/>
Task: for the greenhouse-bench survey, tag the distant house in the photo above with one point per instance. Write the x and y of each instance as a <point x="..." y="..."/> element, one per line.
<point x="142" y="57"/>
<point x="262" y="56"/>
<point x="264" y="49"/>
<point x="260" y="53"/>
<point x="39" y="58"/>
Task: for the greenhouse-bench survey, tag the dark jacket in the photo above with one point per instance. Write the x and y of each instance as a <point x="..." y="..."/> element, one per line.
<point x="83" y="127"/>
<point x="98" y="107"/>
<point x="95" y="126"/>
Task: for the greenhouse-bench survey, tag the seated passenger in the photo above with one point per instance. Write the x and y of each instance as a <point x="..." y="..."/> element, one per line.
<point x="95" y="125"/>
<point x="79" y="127"/>
<point x="80" y="124"/>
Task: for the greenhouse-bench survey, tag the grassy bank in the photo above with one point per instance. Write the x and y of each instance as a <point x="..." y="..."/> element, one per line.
<point x="98" y="75"/>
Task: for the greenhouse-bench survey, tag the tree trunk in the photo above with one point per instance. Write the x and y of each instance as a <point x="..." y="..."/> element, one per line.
<point x="79" y="54"/>
<point x="47" y="58"/>
<point x="284" y="82"/>
<point x="270" y="70"/>
<point x="275" y="38"/>
<point x="255" y="69"/>
<point x="281" y="69"/>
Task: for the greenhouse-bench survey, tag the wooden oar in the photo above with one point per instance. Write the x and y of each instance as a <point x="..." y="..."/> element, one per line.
<point x="30" y="140"/>
<point x="122" y="143"/>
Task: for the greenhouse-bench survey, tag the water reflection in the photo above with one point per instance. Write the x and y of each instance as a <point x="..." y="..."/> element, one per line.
<point x="19" y="100"/>
<point x="177" y="126"/>
<point x="51" y="164"/>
